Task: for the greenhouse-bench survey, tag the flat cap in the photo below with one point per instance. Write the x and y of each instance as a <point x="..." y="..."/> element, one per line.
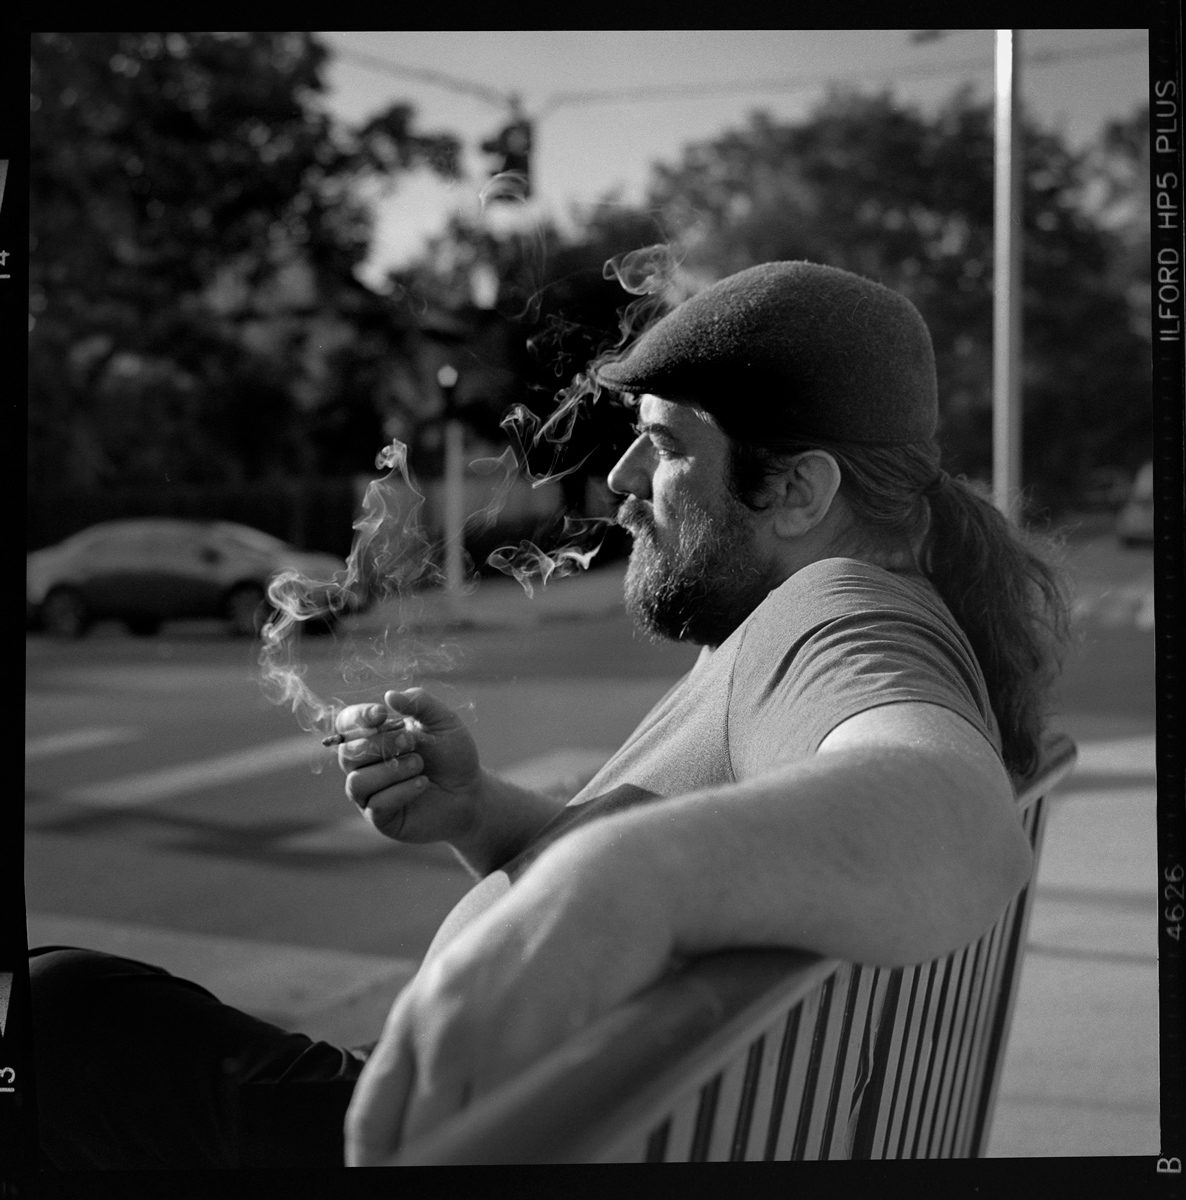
<point x="792" y="348"/>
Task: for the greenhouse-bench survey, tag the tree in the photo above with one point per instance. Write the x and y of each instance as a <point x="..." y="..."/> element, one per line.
<point x="875" y="186"/>
<point x="864" y="183"/>
<point x="176" y="181"/>
<point x="556" y="309"/>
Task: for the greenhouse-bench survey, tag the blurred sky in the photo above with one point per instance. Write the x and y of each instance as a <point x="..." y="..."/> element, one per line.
<point x="585" y="146"/>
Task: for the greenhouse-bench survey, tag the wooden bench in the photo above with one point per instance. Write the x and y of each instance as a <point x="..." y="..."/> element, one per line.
<point x="772" y="1054"/>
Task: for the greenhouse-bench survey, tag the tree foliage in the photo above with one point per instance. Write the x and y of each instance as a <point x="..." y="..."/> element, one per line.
<point x="557" y="308"/>
<point x="877" y="187"/>
<point x="174" y="176"/>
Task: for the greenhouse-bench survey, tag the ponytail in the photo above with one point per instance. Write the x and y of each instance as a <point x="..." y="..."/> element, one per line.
<point x="1009" y="602"/>
<point x="994" y="578"/>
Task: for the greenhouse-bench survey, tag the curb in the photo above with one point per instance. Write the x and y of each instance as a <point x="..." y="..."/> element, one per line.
<point x="494" y="604"/>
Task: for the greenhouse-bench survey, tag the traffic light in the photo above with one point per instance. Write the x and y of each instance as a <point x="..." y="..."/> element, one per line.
<point x="511" y="148"/>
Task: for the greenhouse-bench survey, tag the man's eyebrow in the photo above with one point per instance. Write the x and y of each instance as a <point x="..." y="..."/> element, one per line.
<point x="653" y="428"/>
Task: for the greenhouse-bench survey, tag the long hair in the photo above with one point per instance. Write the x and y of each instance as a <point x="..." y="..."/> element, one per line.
<point x="998" y="581"/>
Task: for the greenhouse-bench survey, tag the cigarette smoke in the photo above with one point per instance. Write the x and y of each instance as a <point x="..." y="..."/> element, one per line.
<point x="649" y="274"/>
<point x="389" y="557"/>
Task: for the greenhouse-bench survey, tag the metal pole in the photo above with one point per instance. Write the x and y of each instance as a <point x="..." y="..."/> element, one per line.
<point x="454" y="486"/>
<point x="1007" y="278"/>
<point x="454" y="506"/>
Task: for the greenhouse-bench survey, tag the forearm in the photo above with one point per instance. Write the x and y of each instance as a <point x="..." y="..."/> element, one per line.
<point x="505" y="820"/>
<point x="884" y="855"/>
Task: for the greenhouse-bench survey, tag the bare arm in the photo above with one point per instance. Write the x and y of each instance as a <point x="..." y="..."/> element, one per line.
<point x="506" y="818"/>
<point x="897" y="842"/>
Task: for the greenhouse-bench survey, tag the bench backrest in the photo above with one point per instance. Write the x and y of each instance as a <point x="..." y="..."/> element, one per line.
<point x="771" y="1054"/>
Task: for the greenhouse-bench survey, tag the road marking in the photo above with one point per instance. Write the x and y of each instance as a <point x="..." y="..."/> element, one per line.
<point x="147" y="787"/>
<point x="355" y="835"/>
<point x="70" y="741"/>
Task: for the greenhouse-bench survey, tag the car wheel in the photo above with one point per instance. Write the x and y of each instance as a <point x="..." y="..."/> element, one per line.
<point x="245" y="611"/>
<point x="64" y="614"/>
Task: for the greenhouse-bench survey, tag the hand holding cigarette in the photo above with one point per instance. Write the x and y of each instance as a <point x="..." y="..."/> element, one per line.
<point x="425" y="783"/>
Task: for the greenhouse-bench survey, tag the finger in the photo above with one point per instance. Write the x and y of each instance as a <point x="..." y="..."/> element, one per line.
<point x="388" y="726"/>
<point x="380" y="747"/>
<point x="360" y="716"/>
<point x="421" y="706"/>
<point x="364" y="784"/>
<point x="388" y="810"/>
<point x="377" y="1105"/>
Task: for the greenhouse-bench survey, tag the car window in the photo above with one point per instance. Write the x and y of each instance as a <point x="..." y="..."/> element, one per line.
<point x="99" y="535"/>
<point x="112" y="544"/>
<point x="167" y="543"/>
<point x="244" y="537"/>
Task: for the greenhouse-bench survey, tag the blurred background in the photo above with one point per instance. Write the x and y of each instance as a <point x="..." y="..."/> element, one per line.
<point x="253" y="253"/>
<point x="258" y="258"/>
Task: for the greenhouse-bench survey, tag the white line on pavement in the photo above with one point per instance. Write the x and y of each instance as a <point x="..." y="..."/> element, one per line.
<point x="147" y="787"/>
<point x="70" y="741"/>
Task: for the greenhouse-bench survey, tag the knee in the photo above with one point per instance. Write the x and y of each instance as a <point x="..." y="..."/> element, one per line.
<point x="66" y="967"/>
<point x="68" y="979"/>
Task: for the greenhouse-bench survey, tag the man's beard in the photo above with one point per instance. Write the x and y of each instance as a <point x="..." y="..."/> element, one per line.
<point x="702" y="587"/>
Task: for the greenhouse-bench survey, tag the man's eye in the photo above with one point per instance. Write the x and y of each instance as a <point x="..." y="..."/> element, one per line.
<point x="659" y="442"/>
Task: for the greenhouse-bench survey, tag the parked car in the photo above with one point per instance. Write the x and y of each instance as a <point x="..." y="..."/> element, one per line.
<point x="147" y="571"/>
<point x="1134" y="522"/>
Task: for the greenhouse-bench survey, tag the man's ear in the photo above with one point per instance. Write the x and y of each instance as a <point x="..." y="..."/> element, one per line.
<point x="801" y="496"/>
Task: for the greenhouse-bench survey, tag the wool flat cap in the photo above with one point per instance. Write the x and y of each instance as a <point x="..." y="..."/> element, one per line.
<point x="793" y="348"/>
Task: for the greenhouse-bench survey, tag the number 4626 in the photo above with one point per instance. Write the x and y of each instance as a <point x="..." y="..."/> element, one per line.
<point x="1174" y="892"/>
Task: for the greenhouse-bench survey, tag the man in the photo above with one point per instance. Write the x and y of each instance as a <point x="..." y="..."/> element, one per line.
<point x="832" y="775"/>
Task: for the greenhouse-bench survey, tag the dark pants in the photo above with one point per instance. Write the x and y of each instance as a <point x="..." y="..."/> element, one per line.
<point x="135" y="1068"/>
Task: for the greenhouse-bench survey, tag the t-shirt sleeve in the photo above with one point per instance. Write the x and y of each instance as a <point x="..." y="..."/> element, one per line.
<point x="813" y="661"/>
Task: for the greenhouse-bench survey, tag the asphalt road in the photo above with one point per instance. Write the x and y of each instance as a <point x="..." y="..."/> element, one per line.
<point x="164" y="792"/>
<point x="163" y="789"/>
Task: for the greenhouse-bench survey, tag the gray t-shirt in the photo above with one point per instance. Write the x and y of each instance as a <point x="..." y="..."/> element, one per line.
<point x="837" y="638"/>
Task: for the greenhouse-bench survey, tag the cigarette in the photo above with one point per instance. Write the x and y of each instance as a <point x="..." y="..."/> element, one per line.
<point x="388" y="726"/>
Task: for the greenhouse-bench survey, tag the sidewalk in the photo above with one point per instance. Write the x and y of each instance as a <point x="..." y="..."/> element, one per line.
<point x="500" y="602"/>
<point x="1081" y="1068"/>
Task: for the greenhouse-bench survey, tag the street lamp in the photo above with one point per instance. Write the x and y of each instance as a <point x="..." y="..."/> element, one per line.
<point x="454" y="483"/>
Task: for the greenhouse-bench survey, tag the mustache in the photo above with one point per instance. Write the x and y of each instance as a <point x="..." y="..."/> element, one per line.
<point x="636" y="516"/>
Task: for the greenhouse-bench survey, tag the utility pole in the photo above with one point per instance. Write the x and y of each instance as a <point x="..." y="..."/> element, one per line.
<point x="1007" y="277"/>
<point x="1007" y="282"/>
<point x="454" y="516"/>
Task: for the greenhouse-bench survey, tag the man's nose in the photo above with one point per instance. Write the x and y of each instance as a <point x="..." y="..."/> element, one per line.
<point x="631" y="474"/>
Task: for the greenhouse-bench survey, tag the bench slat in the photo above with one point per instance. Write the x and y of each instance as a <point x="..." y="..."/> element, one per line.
<point x="800" y="1033"/>
<point x="765" y="1053"/>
